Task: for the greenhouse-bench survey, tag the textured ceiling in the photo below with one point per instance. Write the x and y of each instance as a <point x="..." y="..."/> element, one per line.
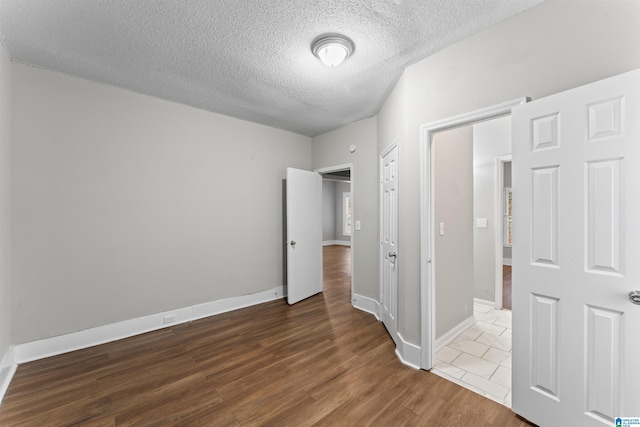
<point x="243" y="58"/>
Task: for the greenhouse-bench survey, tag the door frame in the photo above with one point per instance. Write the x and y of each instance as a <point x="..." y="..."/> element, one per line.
<point x="337" y="168"/>
<point x="499" y="219"/>
<point x="390" y="147"/>
<point x="427" y="280"/>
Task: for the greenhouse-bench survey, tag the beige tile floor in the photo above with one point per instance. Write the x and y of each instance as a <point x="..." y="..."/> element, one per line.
<point x="480" y="357"/>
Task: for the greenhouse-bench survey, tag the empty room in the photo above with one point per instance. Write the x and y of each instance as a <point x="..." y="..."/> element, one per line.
<point x="170" y="255"/>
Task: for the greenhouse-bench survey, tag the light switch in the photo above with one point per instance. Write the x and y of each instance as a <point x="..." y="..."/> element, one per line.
<point x="481" y="222"/>
<point x="442" y="228"/>
<point x="357" y="225"/>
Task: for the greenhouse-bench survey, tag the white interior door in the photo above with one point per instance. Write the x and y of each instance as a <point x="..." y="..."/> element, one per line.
<point x="304" y="234"/>
<point x="389" y="239"/>
<point x="576" y="255"/>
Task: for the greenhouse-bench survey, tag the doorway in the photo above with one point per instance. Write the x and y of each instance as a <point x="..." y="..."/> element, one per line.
<point x="473" y="332"/>
<point x="338" y="224"/>
<point x="432" y="229"/>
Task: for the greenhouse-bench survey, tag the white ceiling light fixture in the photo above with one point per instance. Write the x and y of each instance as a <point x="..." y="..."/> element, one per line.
<point x="332" y="49"/>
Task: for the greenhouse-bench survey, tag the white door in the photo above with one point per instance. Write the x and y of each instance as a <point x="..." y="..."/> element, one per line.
<point x="389" y="239"/>
<point x="576" y="334"/>
<point x="304" y="234"/>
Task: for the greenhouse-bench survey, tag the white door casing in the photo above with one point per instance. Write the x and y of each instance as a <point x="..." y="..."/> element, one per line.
<point x="427" y="284"/>
<point x="389" y="239"/>
<point x="576" y="255"/>
<point x="304" y="234"/>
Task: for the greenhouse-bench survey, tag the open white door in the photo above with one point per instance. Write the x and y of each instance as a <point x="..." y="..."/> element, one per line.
<point x="389" y="240"/>
<point x="304" y="234"/>
<point x="576" y="255"/>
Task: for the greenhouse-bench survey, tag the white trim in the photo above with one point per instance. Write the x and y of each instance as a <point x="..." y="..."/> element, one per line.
<point x="336" y="168"/>
<point x="427" y="284"/>
<point x="394" y="144"/>
<point x="336" y="242"/>
<point x="40" y="349"/>
<point x="7" y="370"/>
<point x="484" y="302"/>
<point x="499" y="231"/>
<point x="366" y="304"/>
<point x="409" y="354"/>
<point x="452" y="333"/>
<point x="506" y="261"/>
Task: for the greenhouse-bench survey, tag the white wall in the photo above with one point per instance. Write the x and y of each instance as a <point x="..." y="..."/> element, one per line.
<point x="127" y="205"/>
<point x="453" y="206"/>
<point x="332" y="149"/>
<point x="5" y="210"/>
<point x="551" y="47"/>
<point x="491" y="139"/>
<point x="328" y="210"/>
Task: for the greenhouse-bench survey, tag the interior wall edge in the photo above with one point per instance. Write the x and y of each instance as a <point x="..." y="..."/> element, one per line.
<point x="7" y="370"/>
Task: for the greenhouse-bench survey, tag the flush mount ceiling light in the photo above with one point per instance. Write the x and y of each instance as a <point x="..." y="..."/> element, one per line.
<point x="332" y="49"/>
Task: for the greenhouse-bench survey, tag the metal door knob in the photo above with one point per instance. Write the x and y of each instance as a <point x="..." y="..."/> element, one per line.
<point x="634" y="297"/>
<point x="293" y="243"/>
<point x="392" y="255"/>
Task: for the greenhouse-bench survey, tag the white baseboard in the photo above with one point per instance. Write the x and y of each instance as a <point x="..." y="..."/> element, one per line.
<point x="40" y="349"/>
<point x="454" y="332"/>
<point x="336" y="242"/>
<point x="408" y="353"/>
<point x="7" y="370"/>
<point x="367" y="304"/>
<point x="506" y="261"/>
<point x="484" y="302"/>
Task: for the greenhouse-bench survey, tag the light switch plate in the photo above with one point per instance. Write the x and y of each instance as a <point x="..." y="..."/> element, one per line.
<point x="481" y="222"/>
<point x="357" y="225"/>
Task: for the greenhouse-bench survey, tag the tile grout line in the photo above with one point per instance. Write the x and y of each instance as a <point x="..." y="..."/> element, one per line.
<point x="498" y="317"/>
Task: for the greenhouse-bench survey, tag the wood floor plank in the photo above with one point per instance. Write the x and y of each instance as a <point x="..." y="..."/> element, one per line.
<point x="317" y="363"/>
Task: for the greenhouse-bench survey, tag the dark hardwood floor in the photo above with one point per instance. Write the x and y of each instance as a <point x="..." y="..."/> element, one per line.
<point x="506" y="287"/>
<point x="319" y="362"/>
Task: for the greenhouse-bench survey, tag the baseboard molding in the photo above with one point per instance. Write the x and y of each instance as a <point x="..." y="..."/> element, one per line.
<point x="115" y="331"/>
<point x="7" y="370"/>
<point x="367" y="304"/>
<point x="336" y="242"/>
<point x="408" y="353"/>
<point x="454" y="332"/>
<point x="484" y="302"/>
<point x="506" y="261"/>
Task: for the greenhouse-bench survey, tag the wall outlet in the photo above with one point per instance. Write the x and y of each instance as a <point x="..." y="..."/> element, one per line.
<point x="169" y="318"/>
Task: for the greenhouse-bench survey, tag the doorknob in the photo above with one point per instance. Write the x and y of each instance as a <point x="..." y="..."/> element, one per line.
<point x="634" y="297"/>
<point x="293" y="243"/>
<point x="392" y="255"/>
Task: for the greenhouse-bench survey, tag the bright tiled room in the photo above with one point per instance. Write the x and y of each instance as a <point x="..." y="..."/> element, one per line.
<point x="480" y="357"/>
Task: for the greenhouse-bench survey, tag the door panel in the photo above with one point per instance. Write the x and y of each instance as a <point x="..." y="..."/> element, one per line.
<point x="576" y="169"/>
<point x="304" y="234"/>
<point x="389" y="240"/>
